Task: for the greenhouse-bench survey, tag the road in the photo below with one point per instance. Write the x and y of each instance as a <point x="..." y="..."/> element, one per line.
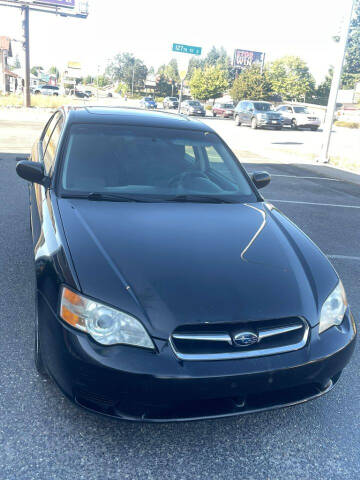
<point x="45" y="437"/>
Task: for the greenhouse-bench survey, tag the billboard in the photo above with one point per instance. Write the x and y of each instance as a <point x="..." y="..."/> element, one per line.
<point x="246" y="58"/>
<point x="57" y="3"/>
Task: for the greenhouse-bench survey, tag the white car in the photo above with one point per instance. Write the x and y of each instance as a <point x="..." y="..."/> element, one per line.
<point x="297" y="116"/>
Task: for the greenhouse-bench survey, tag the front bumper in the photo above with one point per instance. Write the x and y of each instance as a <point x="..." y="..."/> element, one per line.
<point x="266" y="122"/>
<point x="137" y="384"/>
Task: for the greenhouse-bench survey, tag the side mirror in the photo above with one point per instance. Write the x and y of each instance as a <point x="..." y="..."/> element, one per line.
<point x="32" y="171"/>
<point x="261" y="179"/>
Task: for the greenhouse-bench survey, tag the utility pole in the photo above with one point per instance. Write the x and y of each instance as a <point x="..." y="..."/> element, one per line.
<point x="25" y="25"/>
<point x="331" y="107"/>
<point x="132" y="81"/>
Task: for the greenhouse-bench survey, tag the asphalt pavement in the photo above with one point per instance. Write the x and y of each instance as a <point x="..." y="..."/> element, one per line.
<point x="45" y="437"/>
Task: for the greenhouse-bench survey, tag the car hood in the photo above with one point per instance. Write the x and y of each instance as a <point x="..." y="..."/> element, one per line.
<point x="172" y="264"/>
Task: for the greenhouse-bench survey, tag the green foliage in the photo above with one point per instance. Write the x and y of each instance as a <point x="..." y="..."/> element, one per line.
<point x="323" y="90"/>
<point x="344" y="123"/>
<point x="89" y="79"/>
<point x="208" y="83"/>
<point x="128" y="69"/>
<point x="103" y="80"/>
<point x="251" y="84"/>
<point x="290" y="78"/>
<point x="351" y="71"/>
<point x="163" y="87"/>
<point x="54" y="70"/>
<point x="36" y="70"/>
<point x="122" y="88"/>
<point x="194" y="64"/>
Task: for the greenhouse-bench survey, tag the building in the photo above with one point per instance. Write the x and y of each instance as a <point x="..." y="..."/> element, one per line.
<point x="8" y="79"/>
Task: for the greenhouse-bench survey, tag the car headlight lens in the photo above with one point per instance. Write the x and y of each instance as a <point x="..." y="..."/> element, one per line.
<point x="334" y="308"/>
<point x="104" y="324"/>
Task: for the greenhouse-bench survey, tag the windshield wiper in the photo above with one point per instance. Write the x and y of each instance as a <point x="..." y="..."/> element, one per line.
<point x="106" y="197"/>
<point x="199" y="199"/>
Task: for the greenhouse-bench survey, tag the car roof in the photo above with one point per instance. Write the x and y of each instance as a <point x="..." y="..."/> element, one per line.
<point x="132" y="116"/>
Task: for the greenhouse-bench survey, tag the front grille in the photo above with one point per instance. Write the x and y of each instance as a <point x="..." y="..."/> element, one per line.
<point x="227" y="341"/>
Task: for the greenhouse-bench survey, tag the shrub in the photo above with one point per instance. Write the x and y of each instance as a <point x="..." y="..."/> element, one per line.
<point x="344" y="123"/>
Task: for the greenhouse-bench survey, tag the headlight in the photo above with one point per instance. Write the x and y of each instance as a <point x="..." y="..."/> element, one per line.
<point x="334" y="308"/>
<point x="106" y="325"/>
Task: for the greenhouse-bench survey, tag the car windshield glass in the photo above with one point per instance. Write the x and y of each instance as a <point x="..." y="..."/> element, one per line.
<point x="194" y="104"/>
<point x="227" y="105"/>
<point x="148" y="99"/>
<point x="156" y="163"/>
<point x="263" y="107"/>
<point x="301" y="110"/>
<point x="173" y="99"/>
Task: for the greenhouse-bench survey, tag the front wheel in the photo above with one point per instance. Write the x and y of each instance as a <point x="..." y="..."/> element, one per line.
<point x="237" y="121"/>
<point x="314" y="128"/>
<point x="294" y="124"/>
<point x="254" y="124"/>
<point x="213" y="114"/>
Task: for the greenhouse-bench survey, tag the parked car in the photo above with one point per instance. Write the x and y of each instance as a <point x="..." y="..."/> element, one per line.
<point x="297" y="116"/>
<point x="166" y="287"/>
<point x="225" y="110"/>
<point x="47" y="90"/>
<point x="192" y="107"/>
<point x="257" y="114"/>
<point x="148" y="103"/>
<point x="89" y="93"/>
<point x="78" y="93"/>
<point x="170" y="102"/>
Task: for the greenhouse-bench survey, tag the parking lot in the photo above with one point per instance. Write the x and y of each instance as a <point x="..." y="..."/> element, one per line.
<point x="44" y="436"/>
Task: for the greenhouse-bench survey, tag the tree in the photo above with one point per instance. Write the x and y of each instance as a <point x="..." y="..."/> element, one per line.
<point x="163" y="87"/>
<point x="129" y="69"/>
<point x="36" y="70"/>
<point x="290" y="78"/>
<point x="322" y="92"/>
<point x="54" y="70"/>
<point x="89" y="79"/>
<point x="351" y="71"/>
<point x="194" y="63"/>
<point x="251" y="84"/>
<point x="103" y="80"/>
<point x="208" y="83"/>
<point x="171" y="73"/>
<point x="216" y="56"/>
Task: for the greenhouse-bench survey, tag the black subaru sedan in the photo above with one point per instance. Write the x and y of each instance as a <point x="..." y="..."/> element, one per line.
<point x="166" y="287"/>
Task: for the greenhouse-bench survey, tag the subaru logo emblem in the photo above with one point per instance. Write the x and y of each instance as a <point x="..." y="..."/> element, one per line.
<point x="245" y="339"/>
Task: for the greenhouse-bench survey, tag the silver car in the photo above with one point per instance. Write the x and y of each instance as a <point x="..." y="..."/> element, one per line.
<point x="47" y="90"/>
<point x="297" y="116"/>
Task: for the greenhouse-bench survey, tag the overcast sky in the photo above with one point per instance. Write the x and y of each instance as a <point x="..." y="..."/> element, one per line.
<point x="148" y="29"/>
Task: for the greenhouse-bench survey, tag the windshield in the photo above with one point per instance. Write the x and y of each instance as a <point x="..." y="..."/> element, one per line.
<point x="263" y="107"/>
<point x="301" y="110"/>
<point x="194" y="103"/>
<point x="173" y="99"/>
<point x="153" y="162"/>
<point x="148" y="99"/>
<point x="226" y="105"/>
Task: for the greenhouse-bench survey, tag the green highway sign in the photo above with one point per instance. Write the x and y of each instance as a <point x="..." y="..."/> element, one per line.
<point x="178" y="47"/>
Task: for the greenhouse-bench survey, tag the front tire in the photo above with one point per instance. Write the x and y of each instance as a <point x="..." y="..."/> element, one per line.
<point x="314" y="129"/>
<point x="254" y="124"/>
<point x="237" y="121"/>
<point x="294" y="124"/>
